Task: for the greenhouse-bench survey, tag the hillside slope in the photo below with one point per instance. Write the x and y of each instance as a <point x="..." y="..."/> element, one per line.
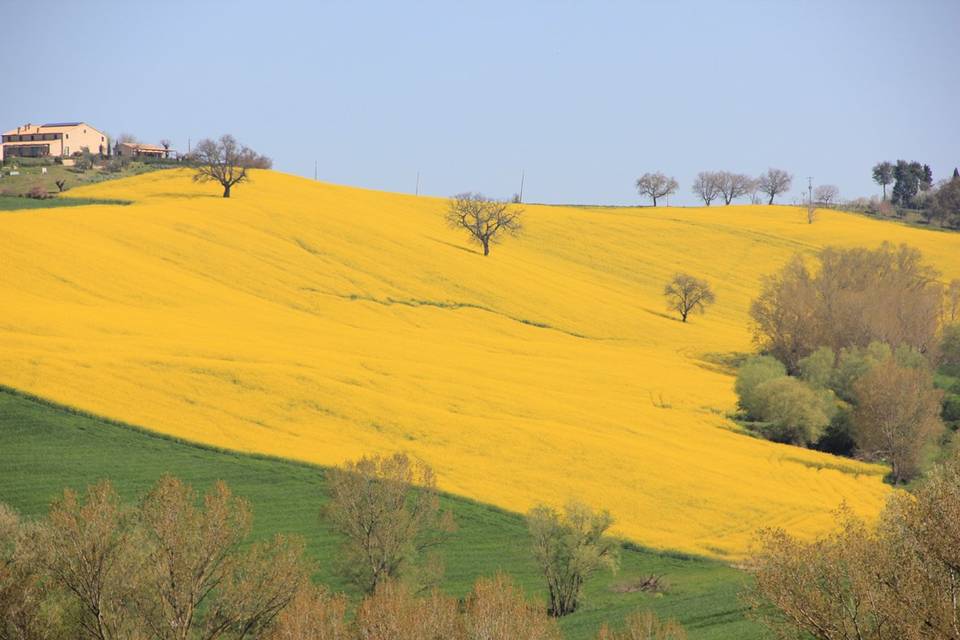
<point x="320" y="322"/>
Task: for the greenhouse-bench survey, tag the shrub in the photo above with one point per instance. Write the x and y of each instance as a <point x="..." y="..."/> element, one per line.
<point x="951" y="408"/>
<point x="117" y="164"/>
<point x="644" y="626"/>
<point x="855" y="362"/>
<point x="817" y="368"/>
<point x="838" y="436"/>
<point x="752" y="374"/>
<point x="84" y="161"/>
<point x="38" y="193"/>
<point x="794" y="412"/>
<point x="950" y="350"/>
<point x="498" y="610"/>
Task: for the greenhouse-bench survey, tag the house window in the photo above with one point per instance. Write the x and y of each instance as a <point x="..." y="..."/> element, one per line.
<point x="66" y="150"/>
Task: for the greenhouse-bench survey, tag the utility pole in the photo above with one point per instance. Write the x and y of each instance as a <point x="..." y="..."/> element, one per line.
<point x="418" y="183"/>
<point x="523" y="174"/>
<point x="314" y="170"/>
<point x="810" y="189"/>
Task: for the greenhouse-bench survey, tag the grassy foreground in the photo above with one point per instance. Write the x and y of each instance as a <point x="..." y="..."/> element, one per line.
<point x="44" y="448"/>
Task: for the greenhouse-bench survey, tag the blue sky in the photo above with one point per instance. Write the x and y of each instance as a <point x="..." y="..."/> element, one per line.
<point x="582" y="96"/>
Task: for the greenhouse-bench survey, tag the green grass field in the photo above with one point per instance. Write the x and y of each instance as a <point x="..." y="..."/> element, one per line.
<point x="44" y="448"/>
<point x="16" y="203"/>
<point x="31" y="175"/>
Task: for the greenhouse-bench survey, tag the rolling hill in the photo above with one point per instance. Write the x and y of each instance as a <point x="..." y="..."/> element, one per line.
<point x="317" y="322"/>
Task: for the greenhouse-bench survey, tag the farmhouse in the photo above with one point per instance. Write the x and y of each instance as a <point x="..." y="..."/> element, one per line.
<point x="133" y="149"/>
<point x="56" y="139"/>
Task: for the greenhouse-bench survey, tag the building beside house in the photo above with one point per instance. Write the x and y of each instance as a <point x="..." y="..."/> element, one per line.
<point x="134" y="149"/>
<point x="55" y="139"/>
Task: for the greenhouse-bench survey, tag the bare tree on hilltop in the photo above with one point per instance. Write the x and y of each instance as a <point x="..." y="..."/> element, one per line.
<point x="774" y="182"/>
<point x="226" y="161"/>
<point x="656" y="185"/>
<point x="484" y="219"/>
<point x="826" y="194"/>
<point x="734" y="185"/>
<point x="707" y="186"/>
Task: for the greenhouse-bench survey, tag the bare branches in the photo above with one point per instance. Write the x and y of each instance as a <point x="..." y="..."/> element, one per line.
<point x="707" y="186"/>
<point x="684" y="294"/>
<point x="388" y="510"/>
<point x="485" y="220"/>
<point x="826" y="194"/>
<point x="774" y="182"/>
<point x="226" y="161"/>
<point x="656" y="185"/>
<point x="735" y="185"/>
<point x="896" y="580"/>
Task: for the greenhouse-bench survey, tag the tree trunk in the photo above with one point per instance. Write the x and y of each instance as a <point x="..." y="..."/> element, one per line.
<point x="486" y="247"/>
<point x="771" y="198"/>
<point x="226" y="191"/>
<point x="884" y="192"/>
<point x="654" y="200"/>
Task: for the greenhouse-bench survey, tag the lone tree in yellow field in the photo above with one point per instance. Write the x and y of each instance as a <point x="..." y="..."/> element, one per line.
<point x="226" y="161"/>
<point x="685" y="293"/>
<point x="486" y="220"/>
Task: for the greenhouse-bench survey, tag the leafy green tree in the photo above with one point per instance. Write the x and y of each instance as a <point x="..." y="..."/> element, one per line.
<point x="908" y="178"/>
<point x="883" y="175"/>
<point x="855" y="362"/>
<point x="793" y="412"/>
<point x="569" y="548"/>
<point x="817" y="368"/>
<point x="945" y="204"/>
<point x="753" y="373"/>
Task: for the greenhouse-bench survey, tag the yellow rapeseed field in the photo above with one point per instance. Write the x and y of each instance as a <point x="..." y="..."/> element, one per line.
<point x="321" y="322"/>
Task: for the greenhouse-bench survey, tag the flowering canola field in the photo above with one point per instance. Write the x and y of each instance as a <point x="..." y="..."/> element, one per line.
<point x="320" y="322"/>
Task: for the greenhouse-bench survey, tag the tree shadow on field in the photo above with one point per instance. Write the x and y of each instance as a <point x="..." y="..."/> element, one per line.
<point x="474" y="252"/>
<point x="182" y="195"/>
<point x="661" y="314"/>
